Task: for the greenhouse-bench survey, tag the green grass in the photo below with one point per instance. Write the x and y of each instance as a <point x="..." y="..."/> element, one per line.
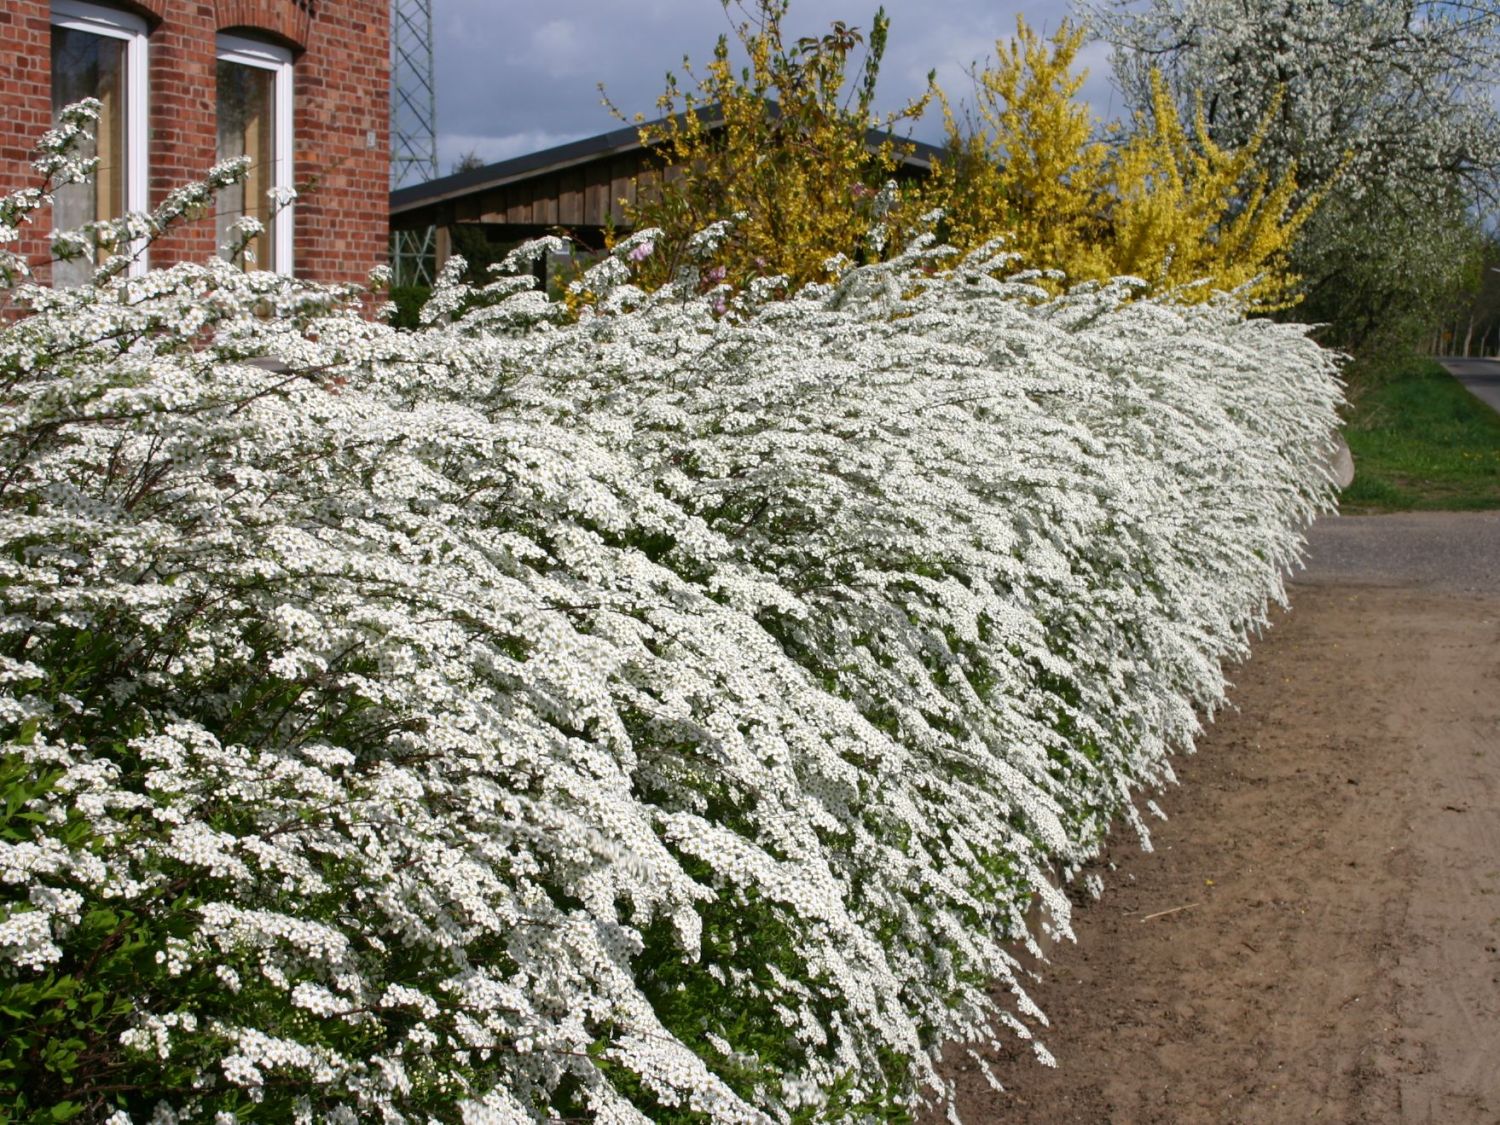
<point x="1420" y="440"/>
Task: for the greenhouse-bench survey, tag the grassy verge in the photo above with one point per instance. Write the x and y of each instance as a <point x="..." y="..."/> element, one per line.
<point x="1419" y="439"/>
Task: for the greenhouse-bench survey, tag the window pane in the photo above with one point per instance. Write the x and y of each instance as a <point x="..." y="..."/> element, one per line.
<point x="246" y="128"/>
<point x="85" y="65"/>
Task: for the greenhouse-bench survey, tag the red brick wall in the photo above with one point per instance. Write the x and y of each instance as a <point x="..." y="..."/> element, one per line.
<point x="343" y="137"/>
<point x="341" y="116"/>
<point x="288" y="19"/>
<point x="183" y="132"/>
<point x="25" y="96"/>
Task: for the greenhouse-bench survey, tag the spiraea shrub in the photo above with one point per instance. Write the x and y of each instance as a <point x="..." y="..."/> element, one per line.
<point x="672" y="711"/>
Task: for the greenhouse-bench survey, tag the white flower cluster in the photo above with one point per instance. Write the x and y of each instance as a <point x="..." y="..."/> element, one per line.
<point x="1370" y="94"/>
<point x="668" y="713"/>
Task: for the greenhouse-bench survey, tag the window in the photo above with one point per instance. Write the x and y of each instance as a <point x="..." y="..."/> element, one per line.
<point x="255" y="120"/>
<point x="100" y="53"/>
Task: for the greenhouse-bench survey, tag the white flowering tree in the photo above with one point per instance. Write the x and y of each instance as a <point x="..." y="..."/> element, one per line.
<point x="1388" y="108"/>
<point x="671" y="715"/>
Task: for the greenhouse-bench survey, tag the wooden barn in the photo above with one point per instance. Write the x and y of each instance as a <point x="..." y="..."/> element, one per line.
<point x="575" y="188"/>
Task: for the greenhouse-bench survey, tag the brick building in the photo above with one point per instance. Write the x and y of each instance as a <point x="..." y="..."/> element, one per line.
<point x="300" y="86"/>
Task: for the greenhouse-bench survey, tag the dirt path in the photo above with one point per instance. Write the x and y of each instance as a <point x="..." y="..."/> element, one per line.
<point x="1315" y="936"/>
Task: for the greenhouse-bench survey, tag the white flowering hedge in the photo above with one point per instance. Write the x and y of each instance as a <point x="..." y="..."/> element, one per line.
<point x="671" y="715"/>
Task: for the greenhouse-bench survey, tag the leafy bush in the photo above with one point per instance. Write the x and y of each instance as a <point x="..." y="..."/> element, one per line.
<point x="1163" y="203"/>
<point x="784" y="144"/>
<point x="666" y="714"/>
<point x="1383" y="109"/>
<point x="407" y="302"/>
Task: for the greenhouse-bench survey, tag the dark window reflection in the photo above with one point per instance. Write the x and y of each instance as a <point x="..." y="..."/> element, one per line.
<point x="246" y="128"/>
<point x="85" y="65"/>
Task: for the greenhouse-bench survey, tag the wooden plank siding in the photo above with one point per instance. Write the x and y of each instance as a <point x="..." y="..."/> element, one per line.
<point x="576" y="189"/>
<point x="586" y="195"/>
<point x="570" y="183"/>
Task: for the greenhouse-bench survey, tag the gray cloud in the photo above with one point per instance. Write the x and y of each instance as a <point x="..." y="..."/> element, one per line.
<point x="515" y="77"/>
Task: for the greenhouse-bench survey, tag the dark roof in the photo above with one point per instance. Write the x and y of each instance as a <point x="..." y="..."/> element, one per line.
<point x="626" y="139"/>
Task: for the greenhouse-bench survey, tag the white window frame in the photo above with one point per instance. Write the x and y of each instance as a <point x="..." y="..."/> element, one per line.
<point x="278" y="60"/>
<point x="80" y="15"/>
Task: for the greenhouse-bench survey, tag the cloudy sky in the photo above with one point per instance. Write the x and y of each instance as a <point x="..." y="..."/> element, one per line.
<point x="514" y="77"/>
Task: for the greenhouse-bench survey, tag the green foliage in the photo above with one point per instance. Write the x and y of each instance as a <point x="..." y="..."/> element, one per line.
<point x="408" y="300"/>
<point x="472" y="243"/>
<point x="58" y="1031"/>
<point x="694" y="1000"/>
<point x="1382" y="273"/>
<point x="1420" y="440"/>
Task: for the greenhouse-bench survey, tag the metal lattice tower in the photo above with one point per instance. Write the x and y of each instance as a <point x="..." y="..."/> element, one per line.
<point x="413" y="130"/>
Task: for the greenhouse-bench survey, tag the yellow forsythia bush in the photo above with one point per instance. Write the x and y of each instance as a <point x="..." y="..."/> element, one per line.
<point x="784" y="143"/>
<point x="1160" y="202"/>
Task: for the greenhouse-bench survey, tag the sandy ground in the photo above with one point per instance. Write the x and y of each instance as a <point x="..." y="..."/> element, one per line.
<point x="1314" y="938"/>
